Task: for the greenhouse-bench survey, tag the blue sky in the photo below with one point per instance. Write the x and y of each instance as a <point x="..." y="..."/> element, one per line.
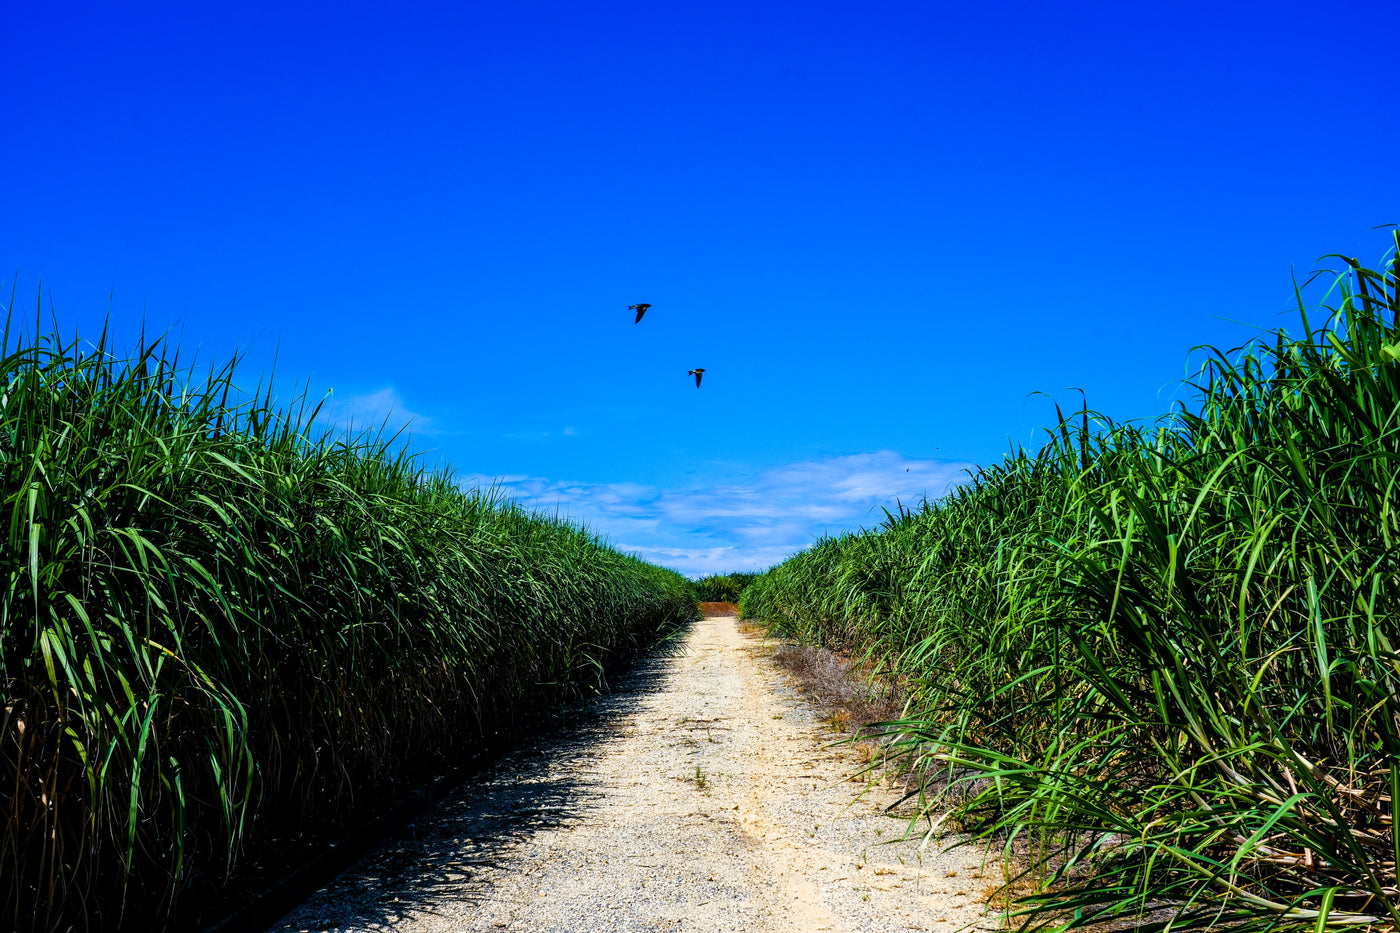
<point x="880" y="227"/>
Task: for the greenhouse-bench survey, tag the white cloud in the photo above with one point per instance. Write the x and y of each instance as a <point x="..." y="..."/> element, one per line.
<point x="541" y="435"/>
<point x="745" y="522"/>
<point x="698" y="562"/>
<point x="372" y="411"/>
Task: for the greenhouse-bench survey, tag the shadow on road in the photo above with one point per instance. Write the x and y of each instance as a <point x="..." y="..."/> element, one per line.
<point x="541" y="784"/>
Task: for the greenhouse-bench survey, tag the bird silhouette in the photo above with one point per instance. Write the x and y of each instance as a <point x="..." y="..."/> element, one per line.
<point x="697" y="373"/>
<point x="640" y="309"/>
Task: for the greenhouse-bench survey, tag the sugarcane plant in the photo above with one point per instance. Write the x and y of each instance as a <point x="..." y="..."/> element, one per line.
<point x="222" y="623"/>
<point x="1156" y="663"/>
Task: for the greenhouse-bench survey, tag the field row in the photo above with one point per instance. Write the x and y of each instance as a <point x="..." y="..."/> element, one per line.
<point x="223" y="629"/>
<point x="1157" y="662"/>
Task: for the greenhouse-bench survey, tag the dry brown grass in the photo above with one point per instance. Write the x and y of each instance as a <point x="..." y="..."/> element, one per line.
<point x="852" y="704"/>
<point x="851" y="700"/>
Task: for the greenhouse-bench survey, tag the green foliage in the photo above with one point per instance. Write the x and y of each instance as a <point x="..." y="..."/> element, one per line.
<point x="216" y="621"/>
<point x="722" y="587"/>
<point x="1162" y="657"/>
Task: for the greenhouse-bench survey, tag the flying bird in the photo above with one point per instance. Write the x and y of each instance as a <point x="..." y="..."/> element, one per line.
<point x="697" y="373"/>
<point x="640" y="309"/>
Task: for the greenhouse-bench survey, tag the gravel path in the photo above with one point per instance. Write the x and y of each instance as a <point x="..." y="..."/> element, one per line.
<point x="700" y="797"/>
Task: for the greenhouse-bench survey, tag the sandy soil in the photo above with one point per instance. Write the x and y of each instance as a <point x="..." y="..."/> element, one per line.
<point x="700" y="796"/>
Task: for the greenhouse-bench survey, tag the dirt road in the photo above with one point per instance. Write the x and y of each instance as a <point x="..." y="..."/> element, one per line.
<point x="701" y="797"/>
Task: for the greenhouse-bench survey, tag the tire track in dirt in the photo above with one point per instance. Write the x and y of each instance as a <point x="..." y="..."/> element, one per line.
<point x="701" y="796"/>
